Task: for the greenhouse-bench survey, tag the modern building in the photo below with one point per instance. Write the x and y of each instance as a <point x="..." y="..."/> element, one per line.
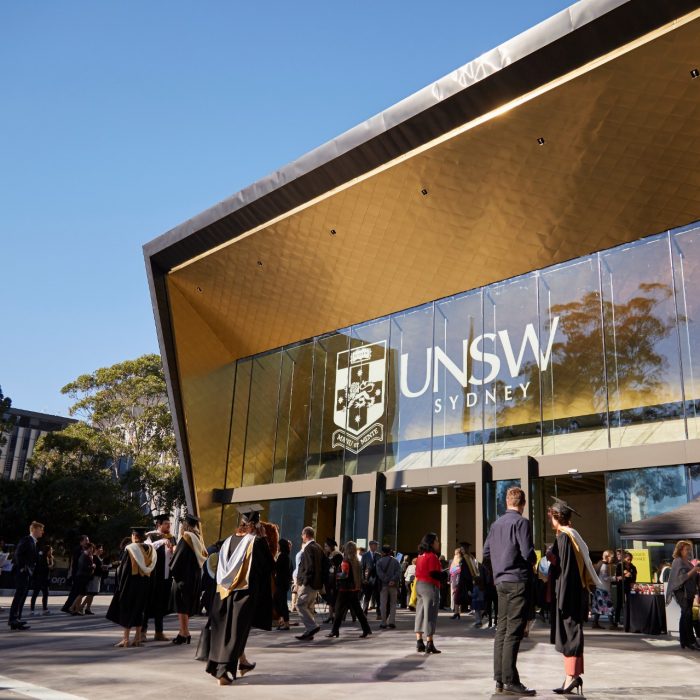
<point x="28" y="427"/>
<point x="495" y="281"/>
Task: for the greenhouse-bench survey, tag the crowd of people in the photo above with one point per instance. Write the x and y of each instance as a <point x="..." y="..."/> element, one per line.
<point x="246" y="580"/>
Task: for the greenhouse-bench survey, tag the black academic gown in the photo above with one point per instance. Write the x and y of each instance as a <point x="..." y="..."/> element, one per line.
<point x="225" y="635"/>
<point x="128" y="606"/>
<point x="159" y="595"/>
<point x="187" y="580"/>
<point x="571" y="600"/>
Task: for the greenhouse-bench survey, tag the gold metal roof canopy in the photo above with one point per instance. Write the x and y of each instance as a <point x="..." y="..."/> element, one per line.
<point x="480" y="202"/>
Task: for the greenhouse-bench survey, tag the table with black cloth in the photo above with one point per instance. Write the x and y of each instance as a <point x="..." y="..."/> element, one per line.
<point x="646" y="614"/>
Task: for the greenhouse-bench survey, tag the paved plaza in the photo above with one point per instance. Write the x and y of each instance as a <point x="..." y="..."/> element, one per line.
<point x="67" y="658"/>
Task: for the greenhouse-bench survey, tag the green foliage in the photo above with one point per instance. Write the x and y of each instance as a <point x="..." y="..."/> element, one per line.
<point x="126" y="405"/>
<point x="6" y="424"/>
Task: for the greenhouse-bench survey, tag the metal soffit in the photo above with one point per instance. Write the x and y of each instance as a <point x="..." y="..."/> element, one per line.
<point x="619" y="161"/>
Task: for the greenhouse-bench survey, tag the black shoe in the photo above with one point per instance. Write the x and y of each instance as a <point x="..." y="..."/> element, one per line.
<point x="19" y="626"/>
<point x="575" y="685"/>
<point x="420" y="645"/>
<point x="391" y="627"/>
<point x="518" y="689"/>
<point x="365" y="634"/>
<point x="308" y="635"/>
<point x="430" y="648"/>
<point x="244" y="668"/>
<point x="499" y="687"/>
<point x="181" y="639"/>
<point x="333" y="634"/>
<point x="382" y="626"/>
<point x="89" y="612"/>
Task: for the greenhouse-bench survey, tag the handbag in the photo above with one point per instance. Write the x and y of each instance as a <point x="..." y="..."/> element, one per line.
<point x="413" y="600"/>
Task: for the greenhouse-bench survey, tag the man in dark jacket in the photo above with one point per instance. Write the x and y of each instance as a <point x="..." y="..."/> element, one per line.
<point x="25" y="559"/>
<point x="75" y="558"/>
<point x="509" y="545"/>
<point x="370" y="581"/>
<point x="309" y="582"/>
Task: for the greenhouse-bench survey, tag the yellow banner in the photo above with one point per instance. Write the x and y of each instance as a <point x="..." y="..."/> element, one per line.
<point x="642" y="560"/>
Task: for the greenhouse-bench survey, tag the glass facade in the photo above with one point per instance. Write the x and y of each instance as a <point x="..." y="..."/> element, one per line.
<point x="594" y="353"/>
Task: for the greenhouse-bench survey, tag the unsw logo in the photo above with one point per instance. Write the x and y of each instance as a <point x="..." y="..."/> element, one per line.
<point x="359" y="396"/>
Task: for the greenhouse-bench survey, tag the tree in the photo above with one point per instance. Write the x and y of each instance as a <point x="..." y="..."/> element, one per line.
<point x="6" y="421"/>
<point x="126" y="407"/>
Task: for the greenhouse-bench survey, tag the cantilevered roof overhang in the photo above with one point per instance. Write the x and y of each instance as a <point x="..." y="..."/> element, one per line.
<point x="346" y="232"/>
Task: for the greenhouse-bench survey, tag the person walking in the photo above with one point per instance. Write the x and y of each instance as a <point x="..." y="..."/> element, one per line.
<point x="243" y="597"/>
<point x="370" y="582"/>
<point x="83" y="541"/>
<point x="186" y="569"/>
<point x="428" y="581"/>
<point x="332" y="560"/>
<point x="683" y="586"/>
<point x="23" y="565"/>
<point x="409" y="577"/>
<point x="40" y="580"/>
<point x="349" y="577"/>
<point x="511" y="551"/>
<point x="309" y="582"/>
<point x="389" y="575"/>
<point x="283" y="581"/>
<point x="576" y="577"/>
<point x="83" y="576"/>
<point x="95" y="584"/>
<point x="128" y="605"/>
<point x="602" y="598"/>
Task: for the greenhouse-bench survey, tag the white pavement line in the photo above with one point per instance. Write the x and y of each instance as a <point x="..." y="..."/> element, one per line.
<point x="35" y="691"/>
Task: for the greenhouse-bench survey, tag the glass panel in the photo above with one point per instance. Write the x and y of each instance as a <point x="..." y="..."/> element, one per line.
<point x="357" y="518"/>
<point x="262" y="420"/>
<point x="410" y="413"/>
<point x="644" y="379"/>
<point x="326" y="453"/>
<point x="239" y="422"/>
<point x="365" y="403"/>
<point x="302" y="357"/>
<point x="496" y="499"/>
<point x="574" y="398"/>
<point x="694" y="480"/>
<point x="686" y="267"/>
<point x="511" y="353"/>
<point x="458" y="391"/>
<point x="284" y="398"/>
<point x="288" y="513"/>
<point x="636" y="494"/>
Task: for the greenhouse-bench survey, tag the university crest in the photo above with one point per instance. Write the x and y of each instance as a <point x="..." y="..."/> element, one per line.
<point x="359" y="396"/>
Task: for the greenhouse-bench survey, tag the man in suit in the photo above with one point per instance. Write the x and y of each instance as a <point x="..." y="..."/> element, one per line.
<point x="309" y="582"/>
<point x="370" y="581"/>
<point x="25" y="559"/>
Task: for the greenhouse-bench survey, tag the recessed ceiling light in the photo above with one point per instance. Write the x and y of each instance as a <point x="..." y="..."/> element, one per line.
<point x="452" y="481"/>
<point x="199" y="289"/>
<point x="404" y="486"/>
<point x="694" y="73"/>
<point x="424" y="191"/>
<point x="333" y="232"/>
<point x="260" y="263"/>
<point x="540" y="140"/>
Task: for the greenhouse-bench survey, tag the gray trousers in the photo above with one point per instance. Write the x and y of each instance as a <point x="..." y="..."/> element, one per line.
<point x="387" y="604"/>
<point x="427" y="607"/>
<point x="306" y="607"/>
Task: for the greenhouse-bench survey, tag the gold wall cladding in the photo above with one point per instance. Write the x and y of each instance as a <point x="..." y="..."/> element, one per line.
<point x="619" y="162"/>
<point x="622" y="144"/>
<point x="206" y="380"/>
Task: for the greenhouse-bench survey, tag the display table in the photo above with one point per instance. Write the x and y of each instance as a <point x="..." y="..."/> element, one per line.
<point x="646" y="614"/>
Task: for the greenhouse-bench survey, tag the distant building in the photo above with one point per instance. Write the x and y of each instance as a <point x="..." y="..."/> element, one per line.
<point x="29" y="426"/>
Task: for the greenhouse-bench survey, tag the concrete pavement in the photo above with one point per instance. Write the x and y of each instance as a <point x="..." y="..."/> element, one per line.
<point x="74" y="658"/>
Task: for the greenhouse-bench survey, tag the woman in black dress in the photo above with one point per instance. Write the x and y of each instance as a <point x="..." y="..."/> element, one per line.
<point x="186" y="570"/>
<point x="133" y="584"/>
<point x="576" y="577"/>
<point x="83" y="576"/>
<point x="283" y="582"/>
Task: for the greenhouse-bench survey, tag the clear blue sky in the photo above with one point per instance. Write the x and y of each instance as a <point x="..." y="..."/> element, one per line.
<point x="121" y="119"/>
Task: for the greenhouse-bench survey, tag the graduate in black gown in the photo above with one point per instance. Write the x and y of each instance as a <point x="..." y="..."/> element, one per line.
<point x="186" y="568"/>
<point x="161" y="578"/>
<point x="576" y="577"/>
<point x="128" y="606"/>
<point x="243" y="597"/>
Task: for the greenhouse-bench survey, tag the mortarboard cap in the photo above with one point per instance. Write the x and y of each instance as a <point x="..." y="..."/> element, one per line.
<point x="161" y="518"/>
<point x="139" y="530"/>
<point x="192" y="520"/>
<point x="563" y="507"/>
<point x="250" y="512"/>
<point x="331" y="542"/>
